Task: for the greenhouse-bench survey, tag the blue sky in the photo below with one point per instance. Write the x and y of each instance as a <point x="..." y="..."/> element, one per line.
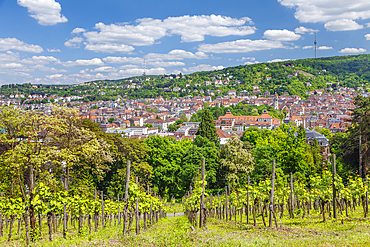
<point x="67" y="42"/>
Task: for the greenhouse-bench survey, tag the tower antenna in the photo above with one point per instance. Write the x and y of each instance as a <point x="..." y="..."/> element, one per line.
<point x="315" y="42"/>
<point x="144" y="73"/>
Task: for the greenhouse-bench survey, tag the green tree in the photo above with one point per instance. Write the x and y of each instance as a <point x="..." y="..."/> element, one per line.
<point x="207" y="128"/>
<point x="324" y="131"/>
<point x="173" y="127"/>
<point x="165" y="156"/>
<point x="149" y="125"/>
<point x="134" y="150"/>
<point x="201" y="147"/>
<point x="360" y="130"/>
<point x="237" y="160"/>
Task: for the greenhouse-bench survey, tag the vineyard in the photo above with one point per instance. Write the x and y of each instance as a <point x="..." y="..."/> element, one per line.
<point x="62" y="211"/>
<point x="65" y="182"/>
<point x="280" y="196"/>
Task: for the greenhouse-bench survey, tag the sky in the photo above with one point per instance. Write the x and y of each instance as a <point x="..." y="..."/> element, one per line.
<point x="69" y="42"/>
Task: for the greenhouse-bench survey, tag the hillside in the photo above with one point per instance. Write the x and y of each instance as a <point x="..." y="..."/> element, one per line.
<point x="294" y="77"/>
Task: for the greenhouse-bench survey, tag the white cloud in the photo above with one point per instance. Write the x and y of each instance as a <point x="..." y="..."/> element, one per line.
<point x="109" y="48"/>
<point x="142" y="34"/>
<point x="314" y="11"/>
<point x="138" y="71"/>
<point x="241" y="46"/>
<point x="279" y="60"/>
<point x="342" y="25"/>
<point x="83" y="62"/>
<point x="136" y="60"/>
<point x="157" y="59"/>
<point x="9" y="57"/>
<point x="128" y="66"/>
<point x="166" y="64"/>
<point x="203" y="67"/>
<point x="74" y="42"/>
<point x="246" y="58"/>
<point x="104" y="69"/>
<point x="367" y="36"/>
<point x="16" y="73"/>
<point x="307" y="47"/>
<point x="78" y="30"/>
<point x="86" y="76"/>
<point x="194" y="28"/>
<point x="47" y="12"/>
<point x="281" y="35"/>
<point x="10" y="65"/>
<point x="55" y="76"/>
<point x="42" y="67"/>
<point x="147" y="31"/>
<point x="15" y="44"/>
<point x="39" y="60"/>
<point x="176" y="54"/>
<point x="15" y="65"/>
<point x="352" y="50"/>
<point x="53" y="50"/>
<point x="250" y="63"/>
<point x="325" y="47"/>
<point x="303" y="30"/>
<point x="318" y="48"/>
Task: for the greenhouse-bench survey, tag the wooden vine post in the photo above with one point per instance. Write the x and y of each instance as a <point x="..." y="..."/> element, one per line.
<point x="1" y="218"/>
<point x="272" y="212"/>
<point x="249" y="183"/>
<point x="102" y="208"/>
<point x="360" y="157"/>
<point x="334" y="190"/>
<point x="291" y="196"/>
<point x="96" y="219"/>
<point x="367" y="197"/>
<point x="202" y="207"/>
<point x="126" y="198"/>
<point x="226" y="203"/>
<point x="65" y="214"/>
<point x="137" y="210"/>
<point x="118" y="212"/>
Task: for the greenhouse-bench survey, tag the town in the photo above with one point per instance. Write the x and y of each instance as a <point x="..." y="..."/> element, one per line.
<point x="140" y="118"/>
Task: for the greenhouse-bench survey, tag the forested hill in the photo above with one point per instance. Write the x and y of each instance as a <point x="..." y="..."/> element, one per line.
<point x="294" y="77"/>
<point x="299" y="76"/>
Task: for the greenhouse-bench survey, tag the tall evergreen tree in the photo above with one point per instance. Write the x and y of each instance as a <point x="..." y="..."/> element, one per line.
<point x="360" y="133"/>
<point x="207" y="128"/>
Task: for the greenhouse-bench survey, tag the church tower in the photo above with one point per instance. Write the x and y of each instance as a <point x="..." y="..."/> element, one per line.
<point x="276" y="102"/>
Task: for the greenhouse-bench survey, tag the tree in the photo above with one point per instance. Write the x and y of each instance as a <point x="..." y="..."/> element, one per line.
<point x="183" y="118"/>
<point x="49" y="149"/>
<point x="207" y="128"/>
<point x="237" y="160"/>
<point x="29" y="154"/>
<point x="324" y="131"/>
<point x="134" y="150"/>
<point x="165" y="156"/>
<point x="173" y="127"/>
<point x="111" y="120"/>
<point x="287" y="144"/>
<point x="361" y="123"/>
<point x="201" y="147"/>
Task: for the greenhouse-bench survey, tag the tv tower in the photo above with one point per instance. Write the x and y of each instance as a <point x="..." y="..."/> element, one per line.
<point x="315" y="42"/>
<point x="144" y="73"/>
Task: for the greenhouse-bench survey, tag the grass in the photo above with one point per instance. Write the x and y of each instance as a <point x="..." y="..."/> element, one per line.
<point x="176" y="231"/>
